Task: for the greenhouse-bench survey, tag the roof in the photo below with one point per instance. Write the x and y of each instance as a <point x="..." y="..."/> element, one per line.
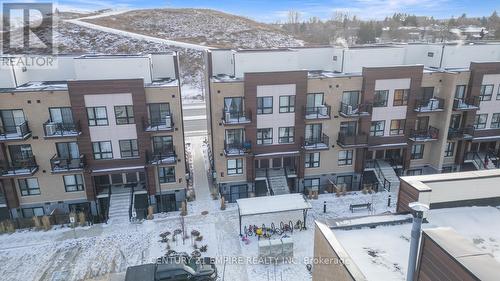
<point x="384" y="256"/>
<point x="272" y="204"/>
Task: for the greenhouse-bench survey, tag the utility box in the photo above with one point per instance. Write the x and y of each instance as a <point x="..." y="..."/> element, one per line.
<point x="276" y="248"/>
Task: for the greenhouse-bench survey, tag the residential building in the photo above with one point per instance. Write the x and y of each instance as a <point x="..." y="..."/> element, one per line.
<point x="90" y="132"/>
<point x="320" y="118"/>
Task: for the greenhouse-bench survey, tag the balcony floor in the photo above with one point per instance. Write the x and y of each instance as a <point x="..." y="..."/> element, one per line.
<point x="315" y="146"/>
<point x="14" y="136"/>
<point x="19" y="172"/>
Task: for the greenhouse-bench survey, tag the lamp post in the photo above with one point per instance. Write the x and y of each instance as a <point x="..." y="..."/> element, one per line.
<point x="418" y="211"/>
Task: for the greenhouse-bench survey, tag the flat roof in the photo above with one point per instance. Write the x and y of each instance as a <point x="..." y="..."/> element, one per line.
<point x="272" y="204"/>
<point x="471" y="178"/>
<point x="381" y="253"/>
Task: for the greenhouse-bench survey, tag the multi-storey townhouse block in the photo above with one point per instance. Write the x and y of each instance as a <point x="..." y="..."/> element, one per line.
<point x="102" y="134"/>
<point x="310" y="119"/>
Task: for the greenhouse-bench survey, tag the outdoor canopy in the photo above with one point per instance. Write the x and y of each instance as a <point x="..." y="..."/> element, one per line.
<point x="272" y="204"/>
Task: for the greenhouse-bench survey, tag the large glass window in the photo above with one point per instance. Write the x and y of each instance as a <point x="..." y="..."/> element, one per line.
<point x="33" y="212"/>
<point x="480" y="121"/>
<point x="102" y="150"/>
<point x="313" y="132"/>
<point x="158" y="113"/>
<point x="315" y="100"/>
<point x="233" y="105"/>
<point x="124" y="114"/>
<point x="162" y="144"/>
<point x="460" y="91"/>
<point x="68" y="150"/>
<point x="11" y="119"/>
<point x="265" y="105"/>
<point x="417" y="151"/>
<point x="287" y="104"/>
<point x="61" y="115"/>
<point x="495" y="121"/>
<point x="345" y="157"/>
<point x="377" y="128"/>
<point x="235" y="166"/>
<point x="166" y="174"/>
<point x="312" y="160"/>
<point x="97" y="116"/>
<point x="350" y="98"/>
<point x="29" y="186"/>
<point x="400" y="97"/>
<point x="73" y="183"/>
<point x="286" y="135"/>
<point x="450" y="149"/>
<point x="397" y="127"/>
<point x="128" y="148"/>
<point x="312" y="184"/>
<point x="265" y="136"/>
<point x="380" y="98"/>
<point x="486" y="92"/>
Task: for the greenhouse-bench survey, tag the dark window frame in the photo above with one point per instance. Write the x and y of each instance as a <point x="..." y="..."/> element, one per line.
<point x="480" y="125"/>
<point x="26" y="190"/>
<point x="78" y="186"/>
<point x="375" y="132"/>
<point x="495" y="121"/>
<point x="264" y="141"/>
<point x="238" y="169"/>
<point x="449" y="150"/>
<point x="400" y="129"/>
<point x="463" y="91"/>
<point x="261" y="109"/>
<point x="486" y="96"/>
<point x="347" y="161"/>
<point x="129" y="117"/>
<point x="377" y="102"/>
<point x="165" y="177"/>
<point x="289" y="107"/>
<point x="308" y="183"/>
<point x="100" y="152"/>
<point x="403" y="100"/>
<point x="310" y="161"/>
<point x="417" y="153"/>
<point x="289" y="137"/>
<point x="134" y="152"/>
<point x="93" y="121"/>
<point x="32" y="209"/>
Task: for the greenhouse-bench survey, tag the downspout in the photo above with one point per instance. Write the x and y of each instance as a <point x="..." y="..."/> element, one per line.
<point x="342" y="65"/>
<point x="442" y="56"/>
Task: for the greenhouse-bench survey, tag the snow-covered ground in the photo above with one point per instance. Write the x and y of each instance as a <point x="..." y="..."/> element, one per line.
<point x="103" y="252"/>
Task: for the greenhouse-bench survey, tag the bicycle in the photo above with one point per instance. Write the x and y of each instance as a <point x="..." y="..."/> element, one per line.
<point x="299" y="225"/>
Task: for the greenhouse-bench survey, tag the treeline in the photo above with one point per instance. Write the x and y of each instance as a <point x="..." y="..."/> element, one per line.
<point x="401" y="27"/>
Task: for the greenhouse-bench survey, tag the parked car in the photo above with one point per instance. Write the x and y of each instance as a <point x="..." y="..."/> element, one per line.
<point x="173" y="270"/>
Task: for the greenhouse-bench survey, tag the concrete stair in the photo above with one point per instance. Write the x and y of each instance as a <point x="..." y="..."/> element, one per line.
<point x="388" y="172"/>
<point x="119" y="207"/>
<point x="279" y="185"/>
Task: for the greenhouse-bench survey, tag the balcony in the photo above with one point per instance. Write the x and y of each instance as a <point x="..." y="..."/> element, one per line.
<point x="471" y="103"/>
<point x="355" y="111"/>
<point x="430" y="134"/>
<point x="316" y="142"/>
<point x="64" y="164"/>
<point x="346" y="140"/>
<point x="430" y="105"/>
<point x="164" y="156"/>
<point x="466" y="133"/>
<point x="61" y="130"/>
<point x="237" y="148"/>
<point x="15" y="132"/>
<point x="236" y="117"/>
<point x="317" y="112"/>
<point x="166" y="124"/>
<point x="19" y="167"/>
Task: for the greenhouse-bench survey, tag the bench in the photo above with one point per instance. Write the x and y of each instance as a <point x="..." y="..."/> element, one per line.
<point x="367" y="206"/>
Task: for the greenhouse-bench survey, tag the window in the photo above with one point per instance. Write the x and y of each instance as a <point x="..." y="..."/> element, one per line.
<point x="480" y="121"/>
<point x="29" y="186"/>
<point x="73" y="183"/>
<point x="158" y="113"/>
<point x="286" y="135"/>
<point x="417" y="151"/>
<point x="460" y="92"/>
<point x="265" y="105"/>
<point x="430" y="54"/>
<point x="498" y="92"/>
<point x="314" y="101"/>
<point x="287" y="104"/>
<point x="311" y="184"/>
<point x="486" y="92"/>
<point x="414" y="172"/>
<point x="102" y="150"/>
<point x="68" y="150"/>
<point x="124" y="114"/>
<point x="265" y="136"/>
<point x="166" y="174"/>
<point x="397" y="127"/>
<point x="400" y="97"/>
<point x="235" y="166"/>
<point x="427" y="94"/>
<point x="377" y="128"/>
<point x="11" y="120"/>
<point x="495" y="121"/>
<point x="345" y="157"/>
<point x="97" y="116"/>
<point x="450" y="149"/>
<point x="380" y="98"/>
<point x="233" y="105"/>
<point x="33" y="212"/>
<point x="344" y="181"/>
<point x="312" y="160"/>
<point x="128" y="148"/>
<point x="61" y="115"/>
<point x="162" y="144"/>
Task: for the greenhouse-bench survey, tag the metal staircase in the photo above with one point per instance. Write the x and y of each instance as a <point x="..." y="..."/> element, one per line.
<point x="387" y="175"/>
<point x="119" y="206"/>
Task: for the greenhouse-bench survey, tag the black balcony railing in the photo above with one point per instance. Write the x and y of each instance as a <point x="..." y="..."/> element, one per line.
<point x="470" y="103"/>
<point x="23" y="166"/>
<point x="460" y="133"/>
<point x="59" y="129"/>
<point x="237" y="148"/>
<point x="236" y="117"/>
<point x="317" y="142"/>
<point x="429" y="105"/>
<point x="317" y="112"/>
<point x="358" y="110"/>
<point x="166" y="124"/>
<point x="165" y="155"/>
<point x="21" y="131"/>
<point x="430" y="133"/>
<point x="62" y="164"/>
<point x="346" y="139"/>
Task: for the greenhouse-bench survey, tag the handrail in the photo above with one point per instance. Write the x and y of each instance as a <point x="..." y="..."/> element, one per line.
<point x="22" y="128"/>
<point x="352" y="139"/>
<point x="429" y="133"/>
<point x="236" y="116"/>
<point x="156" y="156"/>
<point x="466" y="103"/>
<point x="316" y="112"/>
<point x="378" y="170"/>
<point x="109" y="203"/>
<point x="356" y="110"/>
<point x="432" y="104"/>
<point x="149" y="125"/>
<point x="13" y="166"/>
<point x="313" y="141"/>
<point x="61" y="128"/>
<point x="476" y="159"/>
<point x="64" y="163"/>
<point x="131" y="202"/>
<point x="457" y="133"/>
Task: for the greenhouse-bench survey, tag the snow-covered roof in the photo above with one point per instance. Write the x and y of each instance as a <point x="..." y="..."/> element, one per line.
<point x="381" y="253"/>
<point x="272" y="204"/>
